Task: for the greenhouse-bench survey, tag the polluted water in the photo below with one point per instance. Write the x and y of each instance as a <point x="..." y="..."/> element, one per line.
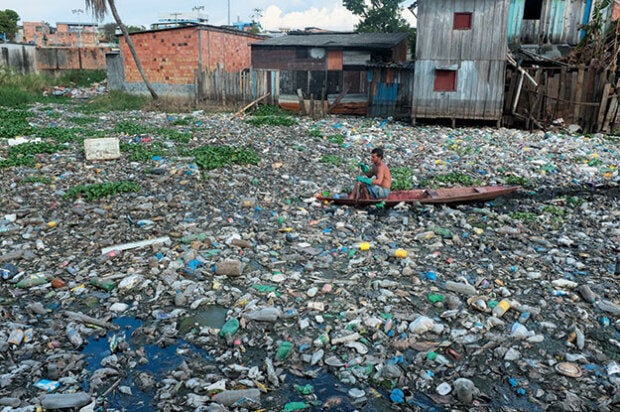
<point x="195" y="269"/>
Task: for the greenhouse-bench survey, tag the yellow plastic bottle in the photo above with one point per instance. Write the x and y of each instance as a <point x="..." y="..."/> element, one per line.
<point x="400" y="253"/>
<point x="501" y="308"/>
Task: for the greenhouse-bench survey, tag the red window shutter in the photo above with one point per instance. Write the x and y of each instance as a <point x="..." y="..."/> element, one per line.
<point x="445" y="80"/>
<point x="462" y="21"/>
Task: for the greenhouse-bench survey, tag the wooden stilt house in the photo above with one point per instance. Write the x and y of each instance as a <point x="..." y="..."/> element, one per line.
<point x="460" y="59"/>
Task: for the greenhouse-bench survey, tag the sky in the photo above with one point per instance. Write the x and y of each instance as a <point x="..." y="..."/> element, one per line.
<point x="276" y="14"/>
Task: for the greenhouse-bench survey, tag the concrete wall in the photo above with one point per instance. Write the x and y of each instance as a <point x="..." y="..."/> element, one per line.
<point x="115" y="71"/>
<point x="65" y="58"/>
<point x="19" y="57"/>
<point x="26" y="59"/>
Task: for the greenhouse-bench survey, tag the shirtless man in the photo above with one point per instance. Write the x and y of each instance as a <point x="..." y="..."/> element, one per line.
<point x="367" y="187"/>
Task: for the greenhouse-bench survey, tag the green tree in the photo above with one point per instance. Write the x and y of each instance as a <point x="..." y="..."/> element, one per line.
<point x="100" y="8"/>
<point x="135" y="29"/>
<point x="109" y="30"/>
<point x="378" y="16"/>
<point x="8" y="23"/>
<point x="256" y="26"/>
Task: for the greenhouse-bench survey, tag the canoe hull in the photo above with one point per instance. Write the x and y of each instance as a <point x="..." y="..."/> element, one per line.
<point x="430" y="196"/>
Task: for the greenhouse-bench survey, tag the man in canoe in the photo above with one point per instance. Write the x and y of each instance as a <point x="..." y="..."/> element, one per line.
<point x="376" y="181"/>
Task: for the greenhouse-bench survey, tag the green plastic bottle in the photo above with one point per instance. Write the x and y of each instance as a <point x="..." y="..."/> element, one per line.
<point x="32" y="280"/>
<point x="284" y="350"/>
<point x="103" y="284"/>
<point x="230" y="327"/>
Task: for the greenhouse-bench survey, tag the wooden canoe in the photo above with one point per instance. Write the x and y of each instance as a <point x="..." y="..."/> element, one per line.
<point x="436" y="196"/>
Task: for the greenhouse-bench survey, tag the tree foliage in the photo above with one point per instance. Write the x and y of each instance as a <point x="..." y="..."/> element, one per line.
<point x="381" y="16"/>
<point x="8" y="23"/>
<point x="256" y="16"/>
<point x="600" y="45"/>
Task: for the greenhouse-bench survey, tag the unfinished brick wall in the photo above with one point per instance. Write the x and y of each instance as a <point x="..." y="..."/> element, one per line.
<point x="172" y="56"/>
<point x="35" y="31"/>
<point x="230" y="51"/>
<point x="168" y="56"/>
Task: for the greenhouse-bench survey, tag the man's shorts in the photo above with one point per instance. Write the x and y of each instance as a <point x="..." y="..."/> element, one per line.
<point x="377" y="191"/>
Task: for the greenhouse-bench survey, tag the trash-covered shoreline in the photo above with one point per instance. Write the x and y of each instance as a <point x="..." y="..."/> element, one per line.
<point x="260" y="293"/>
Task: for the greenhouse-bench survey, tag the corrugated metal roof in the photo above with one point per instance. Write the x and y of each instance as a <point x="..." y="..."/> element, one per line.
<point x="330" y="40"/>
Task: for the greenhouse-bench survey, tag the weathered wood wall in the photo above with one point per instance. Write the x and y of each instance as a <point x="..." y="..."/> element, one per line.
<point x="580" y="95"/>
<point x="229" y="88"/>
<point x="477" y="55"/>
<point x="558" y="24"/>
<point x="390" y="91"/>
<point x="479" y="95"/>
<point x="436" y="40"/>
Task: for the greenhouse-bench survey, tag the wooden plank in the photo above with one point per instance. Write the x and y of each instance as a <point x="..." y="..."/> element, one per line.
<point x="603" y="107"/>
<point x="339" y="98"/>
<point x="579" y="93"/>
<point x="613" y="107"/>
<point x="512" y="85"/>
<point x="302" y="106"/>
<point x="252" y="104"/>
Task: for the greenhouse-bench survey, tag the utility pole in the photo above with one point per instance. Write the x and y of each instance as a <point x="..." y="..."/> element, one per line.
<point x="229" y="12"/>
<point x="196" y="9"/>
<point x="78" y="12"/>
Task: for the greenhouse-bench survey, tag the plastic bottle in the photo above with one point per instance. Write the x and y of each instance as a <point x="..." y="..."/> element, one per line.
<point x="586" y="293"/>
<point x="322" y="340"/>
<point x="74" y="335"/>
<point x="179" y="298"/>
<point x="15" y="337"/>
<point x="608" y="306"/>
<point x="32" y="280"/>
<point x="268" y="314"/>
<point x="435" y="297"/>
<point x="230" y="327"/>
<point x="501" y="308"/>
<point x="237" y="397"/>
<point x="462" y="288"/>
<point x="283" y="350"/>
<point x="103" y="284"/>
<point x="400" y="253"/>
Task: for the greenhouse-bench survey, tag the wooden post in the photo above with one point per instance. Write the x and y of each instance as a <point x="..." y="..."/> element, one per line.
<point x="300" y="96"/>
<point x="613" y="107"/>
<point x="603" y="107"/>
<point x="538" y="99"/>
<point x="511" y="89"/>
<point x="579" y="93"/>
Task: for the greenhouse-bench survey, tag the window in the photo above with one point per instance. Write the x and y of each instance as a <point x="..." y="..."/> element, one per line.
<point x="445" y="80"/>
<point x="462" y="21"/>
<point x="301" y="53"/>
<point x="532" y="10"/>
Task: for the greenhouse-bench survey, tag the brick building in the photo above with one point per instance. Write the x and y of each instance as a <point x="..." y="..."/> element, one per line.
<point x="173" y="57"/>
<point x="75" y="34"/>
<point x="35" y="31"/>
<point x="65" y="34"/>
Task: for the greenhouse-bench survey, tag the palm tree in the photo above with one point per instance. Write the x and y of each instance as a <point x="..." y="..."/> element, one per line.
<point x="99" y="8"/>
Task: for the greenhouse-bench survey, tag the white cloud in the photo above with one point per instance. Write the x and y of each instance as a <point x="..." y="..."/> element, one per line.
<point x="338" y="18"/>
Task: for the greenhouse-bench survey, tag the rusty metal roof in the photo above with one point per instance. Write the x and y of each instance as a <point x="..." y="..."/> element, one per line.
<point x="340" y="40"/>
